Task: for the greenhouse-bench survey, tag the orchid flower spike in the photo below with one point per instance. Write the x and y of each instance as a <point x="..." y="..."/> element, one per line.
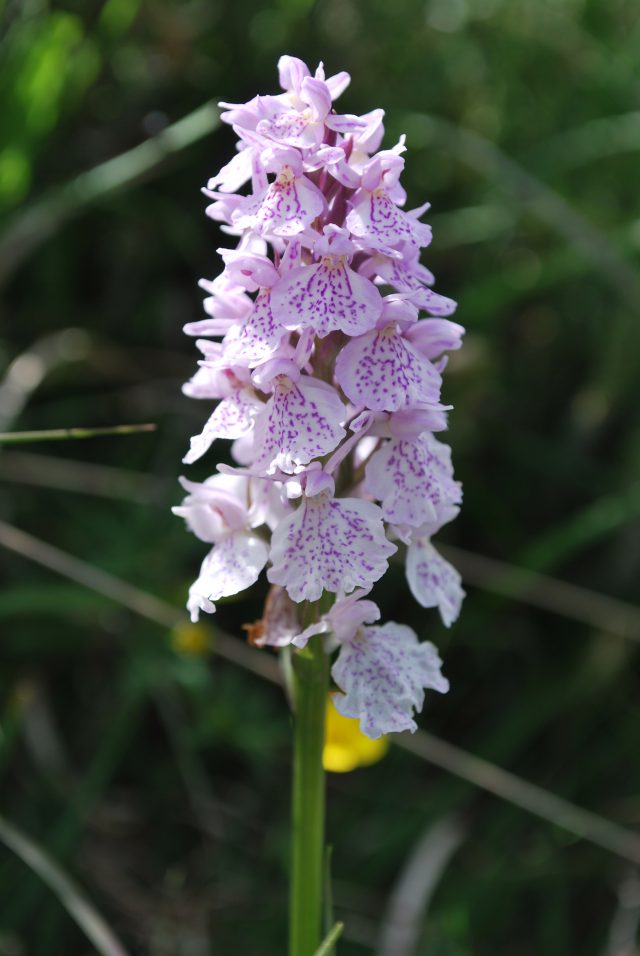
<point x="327" y="378"/>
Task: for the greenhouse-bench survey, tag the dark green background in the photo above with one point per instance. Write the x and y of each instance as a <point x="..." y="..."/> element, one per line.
<point x="523" y="123"/>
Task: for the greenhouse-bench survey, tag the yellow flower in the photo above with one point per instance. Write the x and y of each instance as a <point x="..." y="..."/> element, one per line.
<point x="192" y="640"/>
<point x="345" y="746"/>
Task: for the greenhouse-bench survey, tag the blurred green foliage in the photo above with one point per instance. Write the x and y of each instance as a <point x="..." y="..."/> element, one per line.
<point x="161" y="780"/>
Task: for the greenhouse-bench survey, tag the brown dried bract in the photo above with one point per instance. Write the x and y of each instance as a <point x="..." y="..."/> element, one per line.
<point x="279" y="622"/>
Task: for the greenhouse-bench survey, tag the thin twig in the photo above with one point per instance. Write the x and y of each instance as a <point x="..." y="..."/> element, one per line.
<point x="64" y="434"/>
<point x="481" y="773"/>
<point x="81" y="910"/>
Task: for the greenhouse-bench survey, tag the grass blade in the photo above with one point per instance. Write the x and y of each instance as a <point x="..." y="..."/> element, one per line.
<point x="81" y="910"/>
<point x="64" y="434"/>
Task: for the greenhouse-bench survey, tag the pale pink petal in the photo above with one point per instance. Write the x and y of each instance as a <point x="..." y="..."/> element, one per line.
<point x="259" y="337"/>
<point x="349" y="613"/>
<point x="326" y="297"/>
<point x="206" y="383"/>
<point x="433" y="303"/>
<point x="301" y="421"/>
<point x="285" y="208"/>
<point x="248" y="270"/>
<point x="231" y="566"/>
<point x="291" y="72"/>
<point x="244" y="115"/>
<point x="210" y="327"/>
<point x="234" y="175"/>
<point x="332" y="544"/>
<point x="407" y="534"/>
<point x="269" y="503"/>
<point x="293" y="128"/>
<point x="377" y="220"/>
<point x="433" y="581"/>
<point x="232" y="304"/>
<point x="316" y="94"/>
<point x="197" y="602"/>
<point x="384" y="672"/>
<point x="432" y="337"/>
<point x="302" y="638"/>
<point x="407" y="423"/>
<point x="412" y="479"/>
<point x="346" y="616"/>
<point x="384" y="372"/>
<point x="338" y="83"/>
<point x="408" y="275"/>
<point x="233" y="417"/>
<point x="369" y="140"/>
<point x="226" y="205"/>
<point x="214" y="508"/>
<point x="346" y="123"/>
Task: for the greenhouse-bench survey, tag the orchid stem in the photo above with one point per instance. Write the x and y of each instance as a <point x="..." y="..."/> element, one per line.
<point x="311" y="670"/>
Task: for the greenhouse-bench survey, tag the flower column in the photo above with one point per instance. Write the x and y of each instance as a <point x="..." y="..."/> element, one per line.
<point x="328" y="382"/>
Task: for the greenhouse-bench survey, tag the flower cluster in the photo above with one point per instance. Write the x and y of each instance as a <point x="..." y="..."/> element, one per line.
<point x="328" y="383"/>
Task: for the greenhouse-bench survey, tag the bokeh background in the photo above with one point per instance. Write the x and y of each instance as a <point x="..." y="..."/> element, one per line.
<point x="157" y="774"/>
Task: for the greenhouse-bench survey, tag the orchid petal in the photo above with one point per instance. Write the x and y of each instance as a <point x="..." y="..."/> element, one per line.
<point x="285" y="208"/>
<point x="232" y="418"/>
<point x="258" y="339"/>
<point x="376" y="220"/>
<point x="231" y="566"/>
<point x="433" y="581"/>
<point x="412" y="479"/>
<point x="326" y="297"/>
<point x="301" y="421"/>
<point x="332" y="544"/>
<point x="384" y="372"/>
<point x="384" y="672"/>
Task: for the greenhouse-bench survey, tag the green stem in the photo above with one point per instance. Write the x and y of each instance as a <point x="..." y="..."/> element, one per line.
<point x="311" y="668"/>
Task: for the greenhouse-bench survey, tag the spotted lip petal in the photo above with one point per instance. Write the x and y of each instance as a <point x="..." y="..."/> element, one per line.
<point x="332" y="544"/>
<point x="384" y="672"/>
<point x="231" y="566"/>
<point x="378" y="222"/>
<point x="326" y="297"/>
<point x="407" y="275"/>
<point x="384" y="372"/>
<point x="233" y="418"/>
<point x="292" y="128"/>
<point x="412" y="479"/>
<point x="258" y="338"/>
<point x="433" y="581"/>
<point x="301" y="421"/>
<point x="234" y="174"/>
<point x="286" y="208"/>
